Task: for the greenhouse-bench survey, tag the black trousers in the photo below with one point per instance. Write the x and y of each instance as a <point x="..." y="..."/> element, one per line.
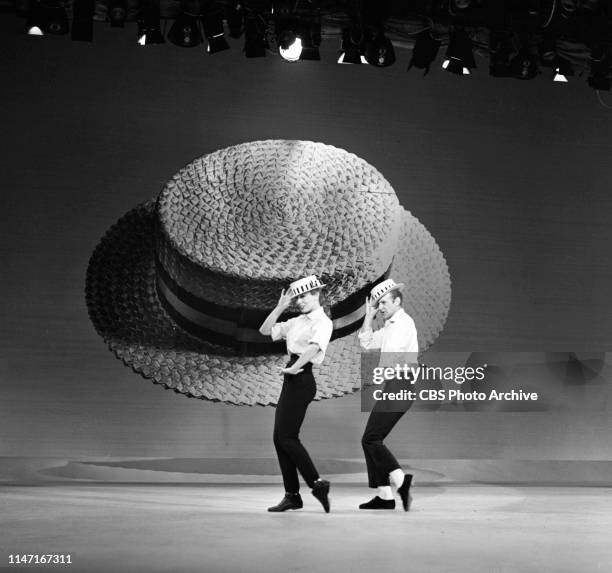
<point x="297" y="392"/>
<point x="380" y="462"/>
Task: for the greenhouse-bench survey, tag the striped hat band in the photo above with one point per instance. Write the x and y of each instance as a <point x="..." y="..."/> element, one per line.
<point x="304" y="285"/>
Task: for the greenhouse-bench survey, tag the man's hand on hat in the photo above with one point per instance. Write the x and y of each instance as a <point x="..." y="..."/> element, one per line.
<point x="371" y="310"/>
<point x="285" y="299"/>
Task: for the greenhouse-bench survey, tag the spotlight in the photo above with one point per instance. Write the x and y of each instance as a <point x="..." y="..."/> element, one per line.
<point x="82" y="20"/>
<point x="548" y="49"/>
<point x="351" y="51"/>
<point x="286" y="27"/>
<point x="310" y="47"/>
<point x="254" y="35"/>
<point x="117" y="13"/>
<point x="234" y="20"/>
<point x="185" y="32"/>
<point x="425" y="51"/>
<point x="47" y="17"/>
<point x="501" y="48"/>
<point x="459" y="56"/>
<point x="524" y="65"/>
<point x="213" y="30"/>
<point x="293" y="48"/>
<point x="563" y="69"/>
<point x="149" y="31"/>
<point x="290" y="47"/>
<point x="379" y="50"/>
<point x="311" y="42"/>
<point x="298" y="30"/>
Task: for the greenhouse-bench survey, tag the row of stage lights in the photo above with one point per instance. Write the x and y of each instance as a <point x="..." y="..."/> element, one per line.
<point x="296" y="35"/>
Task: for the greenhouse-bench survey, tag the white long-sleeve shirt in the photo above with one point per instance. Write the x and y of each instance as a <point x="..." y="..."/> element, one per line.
<point x="397" y="335"/>
<point x="301" y="331"/>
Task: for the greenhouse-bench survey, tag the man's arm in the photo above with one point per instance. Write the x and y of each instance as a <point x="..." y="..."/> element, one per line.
<point x="367" y="338"/>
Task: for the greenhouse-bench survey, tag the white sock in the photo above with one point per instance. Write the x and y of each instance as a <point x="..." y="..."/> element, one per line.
<point x="396" y="477"/>
<point x="384" y="492"/>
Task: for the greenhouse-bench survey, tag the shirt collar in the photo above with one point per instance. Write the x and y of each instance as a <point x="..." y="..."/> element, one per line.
<point x="315" y="314"/>
<point x="397" y="314"/>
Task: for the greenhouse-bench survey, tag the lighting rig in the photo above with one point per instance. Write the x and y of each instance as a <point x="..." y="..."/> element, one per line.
<point x="520" y="38"/>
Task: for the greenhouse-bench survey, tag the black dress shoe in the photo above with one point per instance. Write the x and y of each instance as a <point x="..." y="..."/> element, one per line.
<point x="404" y="491"/>
<point x="290" y="501"/>
<point x="321" y="490"/>
<point x="378" y="503"/>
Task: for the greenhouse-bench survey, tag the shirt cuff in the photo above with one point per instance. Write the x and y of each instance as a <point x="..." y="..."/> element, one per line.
<point x="322" y="345"/>
<point x="276" y="332"/>
<point x="365" y="334"/>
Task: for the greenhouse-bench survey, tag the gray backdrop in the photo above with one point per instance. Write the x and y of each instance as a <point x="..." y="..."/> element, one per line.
<point x="511" y="178"/>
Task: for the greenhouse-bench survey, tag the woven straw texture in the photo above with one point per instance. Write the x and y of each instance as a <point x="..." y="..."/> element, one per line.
<point x="239" y="224"/>
<point x="125" y="310"/>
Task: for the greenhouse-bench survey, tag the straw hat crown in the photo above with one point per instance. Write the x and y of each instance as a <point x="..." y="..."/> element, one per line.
<point x="305" y="285"/>
<point x="383" y="288"/>
<point x="237" y="225"/>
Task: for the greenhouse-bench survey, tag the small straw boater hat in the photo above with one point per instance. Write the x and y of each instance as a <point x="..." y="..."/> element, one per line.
<point x="383" y="288"/>
<point x="179" y="286"/>
<point x="306" y="284"/>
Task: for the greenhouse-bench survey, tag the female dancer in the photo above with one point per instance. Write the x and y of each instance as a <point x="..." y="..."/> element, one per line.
<point x="307" y="337"/>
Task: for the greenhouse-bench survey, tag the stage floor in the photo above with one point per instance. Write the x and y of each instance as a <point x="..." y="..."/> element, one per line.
<point x="225" y="528"/>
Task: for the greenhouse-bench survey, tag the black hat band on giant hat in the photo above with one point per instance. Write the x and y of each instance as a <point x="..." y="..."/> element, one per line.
<point x="238" y="327"/>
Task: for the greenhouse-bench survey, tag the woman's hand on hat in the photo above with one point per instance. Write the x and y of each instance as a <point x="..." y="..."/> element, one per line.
<point x="285" y="299"/>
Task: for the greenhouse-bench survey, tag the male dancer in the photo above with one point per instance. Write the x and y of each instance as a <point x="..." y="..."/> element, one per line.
<point x="398" y="335"/>
<point x="307" y="338"/>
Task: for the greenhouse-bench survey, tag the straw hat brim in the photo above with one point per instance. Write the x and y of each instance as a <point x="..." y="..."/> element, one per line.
<point x="125" y="310"/>
<point x="398" y="286"/>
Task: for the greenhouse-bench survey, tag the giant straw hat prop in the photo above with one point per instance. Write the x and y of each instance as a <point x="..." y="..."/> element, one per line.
<point x="179" y="286"/>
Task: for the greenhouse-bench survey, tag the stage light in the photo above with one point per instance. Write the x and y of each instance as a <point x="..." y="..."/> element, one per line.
<point x="425" y="51"/>
<point x="348" y="58"/>
<point x="82" y="20"/>
<point x="213" y="30"/>
<point x="501" y="49"/>
<point x="117" y="13"/>
<point x="35" y="20"/>
<point x="185" y="31"/>
<point x="310" y="49"/>
<point x="563" y="69"/>
<point x="57" y="20"/>
<point x="351" y="51"/>
<point x="149" y="31"/>
<point x="524" y="64"/>
<point x="459" y="57"/>
<point x="290" y="47"/>
<point x="297" y="30"/>
<point x="293" y="47"/>
<point x="254" y="35"/>
<point x="455" y="66"/>
<point x="379" y="50"/>
<point x="235" y="20"/>
<point x="47" y="17"/>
